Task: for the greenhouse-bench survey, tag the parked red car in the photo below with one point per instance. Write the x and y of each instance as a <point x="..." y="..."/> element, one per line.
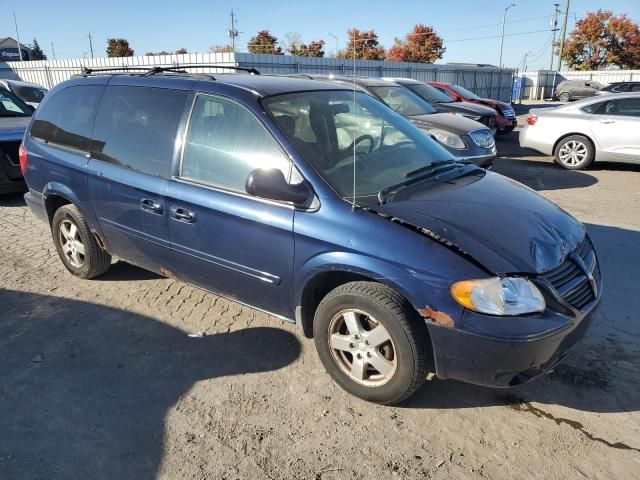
<point x="506" y="119"/>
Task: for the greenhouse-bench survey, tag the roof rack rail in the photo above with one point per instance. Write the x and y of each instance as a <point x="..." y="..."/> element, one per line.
<point x="149" y="71"/>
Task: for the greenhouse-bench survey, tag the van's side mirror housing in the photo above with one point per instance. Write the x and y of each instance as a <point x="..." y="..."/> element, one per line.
<point x="270" y="183"/>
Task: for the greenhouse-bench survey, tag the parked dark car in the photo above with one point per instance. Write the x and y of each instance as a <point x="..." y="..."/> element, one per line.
<point x="240" y="185"/>
<point x="619" y="87"/>
<point x="14" y="118"/>
<point x="568" y="90"/>
<point x="30" y="93"/>
<point x="466" y="139"/>
<point x="443" y="103"/>
<point x="506" y="115"/>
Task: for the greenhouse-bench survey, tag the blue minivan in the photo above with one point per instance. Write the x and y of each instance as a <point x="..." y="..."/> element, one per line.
<point x="319" y="205"/>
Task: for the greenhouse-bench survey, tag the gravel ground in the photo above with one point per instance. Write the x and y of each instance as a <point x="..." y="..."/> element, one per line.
<point x="100" y="379"/>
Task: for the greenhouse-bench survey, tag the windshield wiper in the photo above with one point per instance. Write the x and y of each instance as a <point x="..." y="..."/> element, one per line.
<point x="415" y="176"/>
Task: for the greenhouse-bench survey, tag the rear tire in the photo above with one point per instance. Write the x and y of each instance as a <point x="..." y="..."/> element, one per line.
<point x="564" y="97"/>
<point x="76" y="245"/>
<point x="372" y="342"/>
<point x="574" y="152"/>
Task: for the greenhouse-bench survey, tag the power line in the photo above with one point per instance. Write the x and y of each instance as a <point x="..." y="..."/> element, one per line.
<point x="495" y="36"/>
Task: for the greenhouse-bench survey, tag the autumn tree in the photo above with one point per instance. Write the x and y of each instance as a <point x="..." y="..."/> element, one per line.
<point x="118" y="47"/>
<point x="602" y="40"/>
<point x="421" y="45"/>
<point x="221" y="49"/>
<point x="36" y="51"/>
<point x="364" y="43"/>
<point x="264" y="42"/>
<point x="295" y="47"/>
<point x="155" y="54"/>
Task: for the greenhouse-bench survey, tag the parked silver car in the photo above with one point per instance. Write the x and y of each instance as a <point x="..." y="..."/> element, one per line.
<point x="30" y="93"/>
<point x="603" y="128"/>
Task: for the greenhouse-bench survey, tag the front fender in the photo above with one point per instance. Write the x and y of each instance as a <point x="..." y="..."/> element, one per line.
<point x="420" y="288"/>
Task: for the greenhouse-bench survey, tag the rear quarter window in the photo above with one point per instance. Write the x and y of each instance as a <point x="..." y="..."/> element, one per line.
<point x="136" y="128"/>
<point x="67" y="118"/>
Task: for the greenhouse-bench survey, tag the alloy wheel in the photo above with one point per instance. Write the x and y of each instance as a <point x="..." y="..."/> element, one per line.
<point x="362" y="347"/>
<point x="71" y="243"/>
<point x="573" y="153"/>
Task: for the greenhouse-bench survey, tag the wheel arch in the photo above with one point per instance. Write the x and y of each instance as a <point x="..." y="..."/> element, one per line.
<point x="316" y="282"/>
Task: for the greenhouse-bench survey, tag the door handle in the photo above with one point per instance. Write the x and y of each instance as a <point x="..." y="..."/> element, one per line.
<point x="182" y="214"/>
<point x="150" y="205"/>
<point x="607" y="121"/>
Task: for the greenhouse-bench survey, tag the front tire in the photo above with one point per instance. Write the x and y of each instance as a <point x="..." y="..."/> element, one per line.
<point x="575" y="152"/>
<point x="564" y="97"/>
<point x="372" y="342"/>
<point x="76" y="245"/>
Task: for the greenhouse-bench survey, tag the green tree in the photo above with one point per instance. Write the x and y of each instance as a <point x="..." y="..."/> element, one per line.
<point x="181" y="51"/>
<point x="421" y="45"/>
<point x="365" y="45"/>
<point x="118" y="47"/>
<point x="264" y="42"/>
<point x="36" y="51"/>
<point x="602" y="40"/>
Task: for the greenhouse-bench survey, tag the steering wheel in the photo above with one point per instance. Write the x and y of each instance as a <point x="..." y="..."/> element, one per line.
<point x="361" y="138"/>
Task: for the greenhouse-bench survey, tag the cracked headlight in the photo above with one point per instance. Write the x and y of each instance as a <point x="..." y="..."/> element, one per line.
<point x="448" y="139"/>
<point x="499" y="296"/>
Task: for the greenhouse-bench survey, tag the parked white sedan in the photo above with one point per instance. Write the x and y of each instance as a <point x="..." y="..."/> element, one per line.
<point x="603" y="128"/>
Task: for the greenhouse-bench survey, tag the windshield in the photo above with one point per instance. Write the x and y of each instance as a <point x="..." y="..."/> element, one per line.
<point x="429" y="93"/>
<point x="464" y="93"/>
<point x="12" y="106"/>
<point x="403" y="101"/>
<point x="29" y="93"/>
<point x="324" y="128"/>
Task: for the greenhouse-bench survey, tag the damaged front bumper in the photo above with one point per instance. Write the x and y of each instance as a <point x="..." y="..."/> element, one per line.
<point x="507" y="359"/>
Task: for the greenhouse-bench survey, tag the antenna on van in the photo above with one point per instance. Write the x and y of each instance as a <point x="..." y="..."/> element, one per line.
<point x="355" y="124"/>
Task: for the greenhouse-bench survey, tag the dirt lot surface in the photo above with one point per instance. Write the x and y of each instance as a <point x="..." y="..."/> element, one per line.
<point x="100" y="379"/>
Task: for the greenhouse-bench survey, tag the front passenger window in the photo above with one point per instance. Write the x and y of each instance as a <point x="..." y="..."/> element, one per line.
<point x="225" y="142"/>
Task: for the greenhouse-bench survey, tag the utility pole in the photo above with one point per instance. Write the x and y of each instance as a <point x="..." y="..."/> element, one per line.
<point x="504" y="19"/>
<point x="563" y="33"/>
<point x="17" y="35"/>
<point x="53" y="52"/>
<point x="332" y="35"/>
<point x="554" y="29"/>
<point x="233" y="32"/>
<point x="90" y="45"/>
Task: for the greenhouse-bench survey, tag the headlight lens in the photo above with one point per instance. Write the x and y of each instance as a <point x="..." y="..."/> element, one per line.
<point x="499" y="296"/>
<point x="449" y="139"/>
<point x="483" y="138"/>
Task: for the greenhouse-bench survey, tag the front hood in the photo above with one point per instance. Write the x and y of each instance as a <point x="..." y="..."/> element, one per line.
<point x="447" y="121"/>
<point x="12" y="128"/>
<point x="505" y="226"/>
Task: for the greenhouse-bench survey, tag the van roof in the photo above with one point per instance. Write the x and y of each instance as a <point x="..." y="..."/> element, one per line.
<point x="263" y="85"/>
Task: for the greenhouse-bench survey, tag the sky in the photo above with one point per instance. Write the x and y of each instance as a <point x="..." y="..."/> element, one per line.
<point x="196" y="25"/>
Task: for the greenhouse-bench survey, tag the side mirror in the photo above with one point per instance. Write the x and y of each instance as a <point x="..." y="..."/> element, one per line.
<point x="457" y="98"/>
<point x="270" y="183"/>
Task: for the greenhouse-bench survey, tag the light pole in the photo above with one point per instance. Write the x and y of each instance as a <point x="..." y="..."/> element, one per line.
<point x="332" y="35"/>
<point x="504" y="19"/>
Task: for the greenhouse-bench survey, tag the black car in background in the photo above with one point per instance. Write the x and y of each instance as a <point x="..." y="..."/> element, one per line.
<point x="443" y="103"/>
<point x="620" y="87"/>
<point x="14" y="118"/>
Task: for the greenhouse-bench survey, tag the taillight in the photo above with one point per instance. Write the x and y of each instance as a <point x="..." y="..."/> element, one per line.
<point x="532" y="120"/>
<point x="22" y="156"/>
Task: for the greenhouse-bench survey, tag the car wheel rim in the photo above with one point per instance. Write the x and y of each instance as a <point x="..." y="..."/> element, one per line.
<point x="71" y="243"/>
<point x="362" y="348"/>
<point x="573" y="153"/>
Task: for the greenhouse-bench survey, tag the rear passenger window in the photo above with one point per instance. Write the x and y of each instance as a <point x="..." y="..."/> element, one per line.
<point x="625" y="107"/>
<point x="136" y="128"/>
<point x="225" y="142"/>
<point x="66" y="119"/>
